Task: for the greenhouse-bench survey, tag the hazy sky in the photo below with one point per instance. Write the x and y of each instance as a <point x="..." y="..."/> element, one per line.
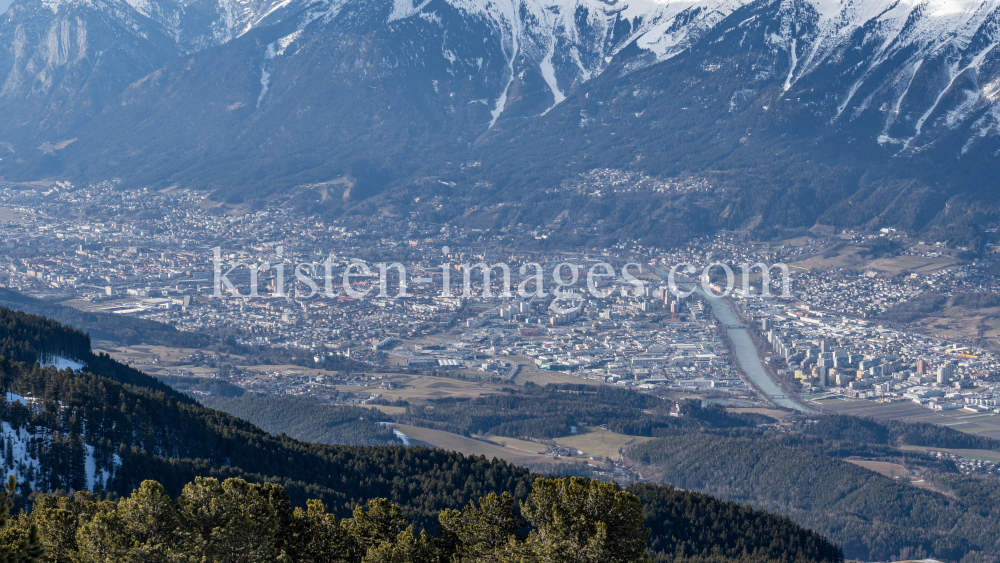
<point x="3" y="5"/>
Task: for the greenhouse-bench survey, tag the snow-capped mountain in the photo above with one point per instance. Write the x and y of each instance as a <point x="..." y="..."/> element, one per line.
<point x="921" y="64"/>
<point x="337" y="86"/>
<point x="55" y="48"/>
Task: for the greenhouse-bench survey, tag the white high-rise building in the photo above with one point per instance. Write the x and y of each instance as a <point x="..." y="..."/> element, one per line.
<point x="944" y="373"/>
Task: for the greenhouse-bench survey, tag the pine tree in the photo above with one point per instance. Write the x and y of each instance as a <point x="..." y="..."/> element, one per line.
<point x="481" y="533"/>
<point x="317" y="536"/>
<point x="381" y="523"/>
<point x="24" y="549"/>
<point x="408" y="547"/>
<point x="583" y="521"/>
<point x="235" y="521"/>
<point x="57" y="530"/>
<point x="103" y="537"/>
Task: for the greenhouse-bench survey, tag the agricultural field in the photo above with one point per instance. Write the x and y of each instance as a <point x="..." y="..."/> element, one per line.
<point x="514" y="443"/>
<point x="965" y="421"/>
<point x="882" y="467"/>
<point x="544" y="377"/>
<point x="597" y="443"/>
<point x="421" y="388"/>
<point x="470" y="446"/>
<point x="912" y="264"/>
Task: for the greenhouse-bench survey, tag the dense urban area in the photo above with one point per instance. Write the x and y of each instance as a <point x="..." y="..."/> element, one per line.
<point x="841" y="332"/>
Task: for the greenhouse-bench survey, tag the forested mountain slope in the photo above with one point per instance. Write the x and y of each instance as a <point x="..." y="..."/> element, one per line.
<point x="871" y="516"/>
<point x="102" y="428"/>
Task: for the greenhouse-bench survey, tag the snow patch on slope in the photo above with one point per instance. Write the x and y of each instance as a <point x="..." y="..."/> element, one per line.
<point x="402" y="9"/>
<point x="658" y="31"/>
<point x="17" y="459"/>
<point x="549" y="74"/>
<point x="61" y="363"/>
<point x="265" y="83"/>
<point x="287" y="40"/>
<point x="14" y="398"/>
<point x="17" y="446"/>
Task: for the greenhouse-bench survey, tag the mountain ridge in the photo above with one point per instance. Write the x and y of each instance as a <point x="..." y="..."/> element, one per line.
<point x="894" y="98"/>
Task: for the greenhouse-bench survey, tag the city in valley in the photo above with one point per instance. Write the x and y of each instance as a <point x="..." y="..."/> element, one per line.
<point x="877" y="324"/>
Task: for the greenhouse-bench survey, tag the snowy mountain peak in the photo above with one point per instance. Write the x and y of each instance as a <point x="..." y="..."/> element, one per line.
<point x="902" y="76"/>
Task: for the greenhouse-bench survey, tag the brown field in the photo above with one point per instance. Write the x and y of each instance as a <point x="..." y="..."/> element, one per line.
<point x="142" y="356"/>
<point x="147" y="353"/>
<point x="957" y="322"/>
<point x="597" y="443"/>
<point x="514" y="443"/>
<point x="994" y="325"/>
<point x="470" y="446"/>
<point x="418" y="388"/>
<point x="522" y="452"/>
<point x="848" y="256"/>
<point x="914" y="264"/>
<point x="395" y="360"/>
<point x="882" y="467"/>
<point x="544" y="377"/>
<point x="388" y="409"/>
<point x="796" y="242"/>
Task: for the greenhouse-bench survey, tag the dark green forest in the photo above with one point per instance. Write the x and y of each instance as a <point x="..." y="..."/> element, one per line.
<point x="896" y="433"/>
<point x="307" y="419"/>
<point x="302" y="418"/>
<point x="549" y="412"/>
<point x="872" y="516"/>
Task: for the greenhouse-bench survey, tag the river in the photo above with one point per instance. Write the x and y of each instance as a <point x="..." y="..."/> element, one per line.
<point x="745" y="351"/>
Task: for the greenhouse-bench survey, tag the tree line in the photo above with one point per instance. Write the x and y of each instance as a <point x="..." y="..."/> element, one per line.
<point x="566" y="520"/>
